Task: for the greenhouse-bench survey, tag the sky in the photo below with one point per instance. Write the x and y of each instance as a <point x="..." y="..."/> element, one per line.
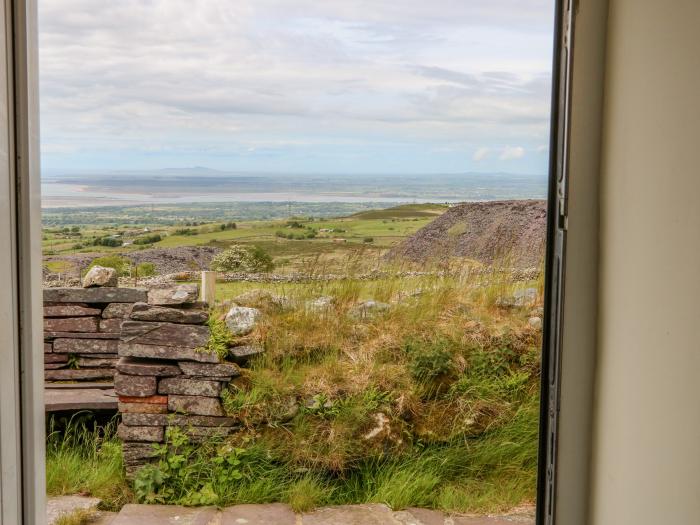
<point x="296" y="86"/>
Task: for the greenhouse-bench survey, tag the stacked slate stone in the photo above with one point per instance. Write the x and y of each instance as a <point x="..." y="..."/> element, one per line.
<point x="164" y="378"/>
<point x="82" y="327"/>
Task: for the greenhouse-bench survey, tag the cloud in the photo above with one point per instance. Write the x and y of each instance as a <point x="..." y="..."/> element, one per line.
<point x="480" y="154"/>
<point x="512" y="153"/>
<point x="164" y="75"/>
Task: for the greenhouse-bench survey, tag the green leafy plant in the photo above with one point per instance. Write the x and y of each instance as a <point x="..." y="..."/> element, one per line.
<point x="220" y="339"/>
<point x="429" y="360"/>
<point x="189" y="473"/>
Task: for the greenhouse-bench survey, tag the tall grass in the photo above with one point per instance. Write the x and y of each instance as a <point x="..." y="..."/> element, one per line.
<point x="430" y="402"/>
<point x="85" y="458"/>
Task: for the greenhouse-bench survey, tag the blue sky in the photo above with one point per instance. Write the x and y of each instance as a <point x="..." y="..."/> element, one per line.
<point x="332" y="86"/>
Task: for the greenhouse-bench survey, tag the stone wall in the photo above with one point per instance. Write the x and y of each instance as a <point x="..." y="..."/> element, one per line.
<point x="150" y="341"/>
<point x="82" y="327"/>
<point x="164" y="378"/>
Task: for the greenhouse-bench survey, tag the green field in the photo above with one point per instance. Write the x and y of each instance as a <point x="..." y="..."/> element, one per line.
<point x="366" y="234"/>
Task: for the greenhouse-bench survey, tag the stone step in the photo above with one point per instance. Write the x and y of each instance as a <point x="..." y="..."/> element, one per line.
<point x="281" y="514"/>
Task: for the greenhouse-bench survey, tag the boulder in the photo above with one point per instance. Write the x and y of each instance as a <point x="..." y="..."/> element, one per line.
<point x="99" y="276"/>
<point x="241" y="320"/>
<point x="368" y="309"/>
<point x="173" y="294"/>
<point x="535" y="322"/>
<point x="320" y="304"/>
<point x="262" y="298"/>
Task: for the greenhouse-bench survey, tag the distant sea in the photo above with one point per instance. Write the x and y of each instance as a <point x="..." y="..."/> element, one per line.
<point x="199" y="185"/>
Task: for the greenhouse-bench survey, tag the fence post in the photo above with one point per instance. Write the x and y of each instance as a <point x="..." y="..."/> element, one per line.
<point x="209" y="287"/>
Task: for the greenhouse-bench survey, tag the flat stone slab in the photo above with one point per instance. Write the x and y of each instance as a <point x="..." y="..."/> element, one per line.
<point x="73" y="397"/>
<point x="147" y="367"/>
<point x="95" y="295"/>
<point x="207" y="370"/>
<point x="61" y="505"/>
<point x="280" y="514"/>
<point x="82" y="374"/>
<point x="175" y="353"/>
<point x="135" y="386"/>
<point x="85" y="346"/>
<point x="117" y="311"/>
<point x="70" y="324"/>
<point x="351" y="515"/>
<point x="189" y="387"/>
<point x="154" y="419"/>
<point x="77" y="335"/>
<point x="173" y="294"/>
<point x="70" y="310"/>
<point x="273" y="513"/>
<point x="195" y="405"/>
<point x="166" y="515"/>
<point x="148" y="312"/>
<point x="165" y="334"/>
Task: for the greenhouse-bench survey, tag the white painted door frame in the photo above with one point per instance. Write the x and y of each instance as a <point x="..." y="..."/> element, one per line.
<point x="22" y="476"/>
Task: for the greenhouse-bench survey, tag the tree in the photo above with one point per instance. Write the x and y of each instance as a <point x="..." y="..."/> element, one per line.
<point x="237" y="258"/>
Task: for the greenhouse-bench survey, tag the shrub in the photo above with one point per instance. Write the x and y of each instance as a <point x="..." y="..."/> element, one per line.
<point x="120" y="264"/>
<point x="107" y="241"/>
<point x="189" y="474"/>
<point x="148" y="239"/>
<point x="146" y="269"/>
<point x="368" y="239"/>
<point x="186" y="231"/>
<point x="242" y="259"/>
<point x="429" y="360"/>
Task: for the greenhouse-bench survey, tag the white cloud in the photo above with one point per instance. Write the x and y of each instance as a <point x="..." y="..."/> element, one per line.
<point x="512" y="153"/>
<point x="480" y="154"/>
<point x="168" y="73"/>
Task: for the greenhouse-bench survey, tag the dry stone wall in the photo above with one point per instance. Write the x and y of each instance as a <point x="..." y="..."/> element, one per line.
<point x="82" y="327"/>
<point x="150" y="342"/>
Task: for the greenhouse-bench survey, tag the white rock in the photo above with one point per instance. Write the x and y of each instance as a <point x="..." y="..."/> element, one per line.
<point x="100" y="276"/>
<point x="535" y="322"/>
<point x="368" y="309"/>
<point x="320" y="304"/>
<point x="241" y="320"/>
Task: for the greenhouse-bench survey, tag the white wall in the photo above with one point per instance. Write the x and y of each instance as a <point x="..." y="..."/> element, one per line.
<point x="646" y="456"/>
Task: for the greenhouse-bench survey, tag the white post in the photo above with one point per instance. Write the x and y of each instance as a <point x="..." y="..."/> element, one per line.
<point x="208" y="287"/>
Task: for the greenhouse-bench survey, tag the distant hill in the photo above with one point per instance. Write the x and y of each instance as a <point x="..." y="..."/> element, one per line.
<point x="405" y="211"/>
<point x="485" y="231"/>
